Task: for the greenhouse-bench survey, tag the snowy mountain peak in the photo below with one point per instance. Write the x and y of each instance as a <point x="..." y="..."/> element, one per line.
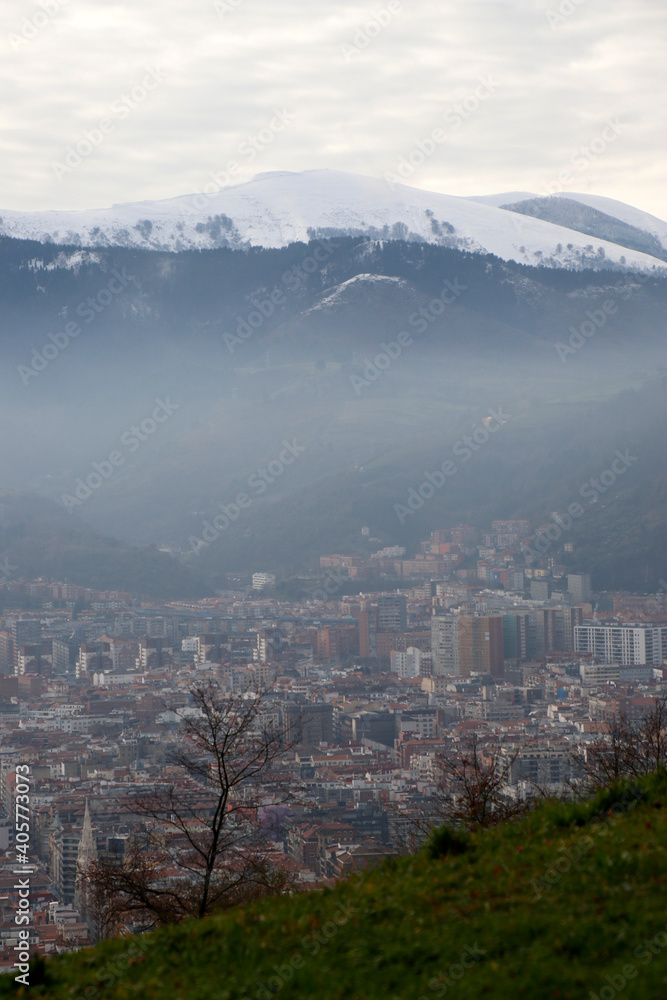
<point x="282" y="207"/>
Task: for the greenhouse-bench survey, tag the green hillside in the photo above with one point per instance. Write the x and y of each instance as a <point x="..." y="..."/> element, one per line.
<point x="568" y="903"/>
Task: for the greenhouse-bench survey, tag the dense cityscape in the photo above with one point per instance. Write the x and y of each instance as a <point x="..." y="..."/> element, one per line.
<point x="486" y="634"/>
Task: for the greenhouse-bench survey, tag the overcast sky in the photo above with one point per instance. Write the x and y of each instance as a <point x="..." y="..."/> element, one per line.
<point x="360" y="97"/>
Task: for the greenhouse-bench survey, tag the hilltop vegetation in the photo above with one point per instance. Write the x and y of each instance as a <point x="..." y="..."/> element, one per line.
<point x="37" y="538"/>
<point x="568" y="903"/>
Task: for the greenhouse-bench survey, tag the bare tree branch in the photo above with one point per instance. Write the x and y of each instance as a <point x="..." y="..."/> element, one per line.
<point x="473" y="784"/>
<point x="629" y="750"/>
<point x="200" y="851"/>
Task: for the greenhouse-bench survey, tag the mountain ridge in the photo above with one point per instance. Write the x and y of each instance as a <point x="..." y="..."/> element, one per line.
<point x="279" y="208"/>
<point x="301" y="374"/>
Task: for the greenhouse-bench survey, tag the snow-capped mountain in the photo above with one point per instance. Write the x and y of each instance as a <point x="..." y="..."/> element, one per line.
<point x="276" y="209"/>
<point x="609" y="206"/>
<point x="601" y="218"/>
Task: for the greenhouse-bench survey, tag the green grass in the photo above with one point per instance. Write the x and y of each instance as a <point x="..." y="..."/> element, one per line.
<point x="547" y="907"/>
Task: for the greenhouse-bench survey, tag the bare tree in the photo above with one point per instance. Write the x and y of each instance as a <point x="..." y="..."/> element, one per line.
<point x="199" y="848"/>
<point x="472" y="786"/>
<point x="629" y="750"/>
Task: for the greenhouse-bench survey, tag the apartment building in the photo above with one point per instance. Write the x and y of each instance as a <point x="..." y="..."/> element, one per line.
<point x="629" y="645"/>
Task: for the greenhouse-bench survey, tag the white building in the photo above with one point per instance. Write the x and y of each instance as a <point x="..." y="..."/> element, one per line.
<point x="262" y="580"/>
<point x="629" y="645"/>
<point x="445" y="644"/>
<point x="407" y="664"/>
<point x="595" y="674"/>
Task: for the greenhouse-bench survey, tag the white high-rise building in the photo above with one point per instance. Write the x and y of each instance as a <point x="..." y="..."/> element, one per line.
<point x="445" y="644"/>
<point x="629" y="645"/>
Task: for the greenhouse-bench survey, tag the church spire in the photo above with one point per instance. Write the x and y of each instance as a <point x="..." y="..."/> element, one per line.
<point x="86" y="854"/>
<point x="87" y="845"/>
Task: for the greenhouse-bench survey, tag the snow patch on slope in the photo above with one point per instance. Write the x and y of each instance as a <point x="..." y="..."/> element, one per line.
<point x="342" y="293"/>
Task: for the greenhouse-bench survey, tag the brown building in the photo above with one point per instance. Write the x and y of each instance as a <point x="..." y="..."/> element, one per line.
<point x="481" y="645"/>
<point x="367" y="615"/>
<point x="308" y="724"/>
<point x="335" y="641"/>
<point x="399" y="642"/>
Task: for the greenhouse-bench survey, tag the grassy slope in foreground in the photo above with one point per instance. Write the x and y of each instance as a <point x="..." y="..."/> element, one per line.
<point x="569" y="903"/>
